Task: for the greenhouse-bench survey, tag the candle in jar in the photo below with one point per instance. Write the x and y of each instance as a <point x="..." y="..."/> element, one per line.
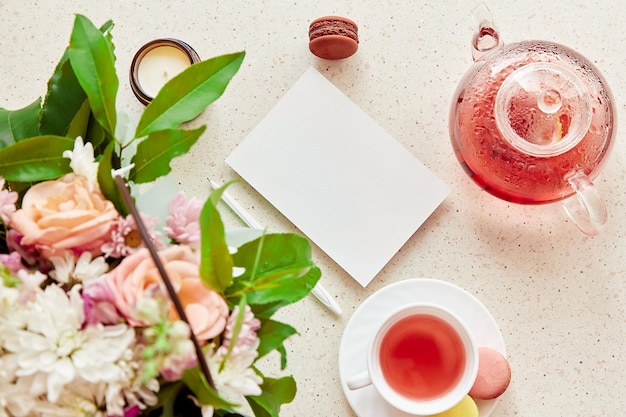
<point x="159" y="65"/>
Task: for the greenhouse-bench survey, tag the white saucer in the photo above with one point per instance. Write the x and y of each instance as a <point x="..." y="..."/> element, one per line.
<point x="366" y="402"/>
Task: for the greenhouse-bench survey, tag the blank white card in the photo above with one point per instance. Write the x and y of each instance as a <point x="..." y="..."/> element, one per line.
<point x="348" y="185"/>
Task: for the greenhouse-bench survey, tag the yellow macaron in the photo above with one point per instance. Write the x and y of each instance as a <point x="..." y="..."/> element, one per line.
<point x="466" y="408"/>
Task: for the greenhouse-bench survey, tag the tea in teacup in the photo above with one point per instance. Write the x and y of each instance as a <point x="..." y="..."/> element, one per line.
<point x="422" y="357"/>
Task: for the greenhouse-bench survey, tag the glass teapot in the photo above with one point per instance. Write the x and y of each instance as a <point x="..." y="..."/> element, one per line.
<point x="532" y="122"/>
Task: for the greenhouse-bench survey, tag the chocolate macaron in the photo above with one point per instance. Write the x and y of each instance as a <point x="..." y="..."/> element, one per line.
<point x="333" y="37"/>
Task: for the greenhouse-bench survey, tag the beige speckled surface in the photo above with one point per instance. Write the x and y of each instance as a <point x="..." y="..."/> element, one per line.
<point x="558" y="296"/>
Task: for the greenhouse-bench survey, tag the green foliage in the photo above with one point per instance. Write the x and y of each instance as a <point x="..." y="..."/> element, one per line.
<point x="35" y="159"/>
<point x="64" y="98"/>
<point x="272" y="335"/>
<point x="81" y="101"/>
<point x="64" y="111"/>
<point x="80" y="123"/>
<point x="189" y="93"/>
<point x="239" y="319"/>
<point x="19" y="124"/>
<point x="167" y="399"/>
<point x="216" y="264"/>
<point x="154" y="154"/>
<point x="275" y="393"/>
<point x="194" y="380"/>
<point x="93" y="62"/>
<point x="286" y="275"/>
<point x="278" y="270"/>
<point x="107" y="182"/>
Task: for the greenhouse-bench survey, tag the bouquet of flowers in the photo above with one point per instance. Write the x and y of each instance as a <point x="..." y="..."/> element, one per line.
<point x="102" y="311"/>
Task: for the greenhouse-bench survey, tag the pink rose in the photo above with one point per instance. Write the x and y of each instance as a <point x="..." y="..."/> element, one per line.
<point x="69" y="213"/>
<point x="206" y="309"/>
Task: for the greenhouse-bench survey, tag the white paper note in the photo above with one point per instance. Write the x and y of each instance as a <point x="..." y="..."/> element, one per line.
<point x="348" y="185"/>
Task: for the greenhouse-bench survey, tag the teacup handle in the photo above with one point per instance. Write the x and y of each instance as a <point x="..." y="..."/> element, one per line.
<point x="586" y="208"/>
<point x="359" y="380"/>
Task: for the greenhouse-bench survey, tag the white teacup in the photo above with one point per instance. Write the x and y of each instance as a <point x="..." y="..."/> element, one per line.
<point x="422" y="359"/>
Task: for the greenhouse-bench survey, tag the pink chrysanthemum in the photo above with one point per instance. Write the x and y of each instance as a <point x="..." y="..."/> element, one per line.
<point x="183" y="221"/>
<point x="126" y="238"/>
<point x="7" y="202"/>
<point x="99" y="303"/>
<point x="12" y="261"/>
<point x="247" y="337"/>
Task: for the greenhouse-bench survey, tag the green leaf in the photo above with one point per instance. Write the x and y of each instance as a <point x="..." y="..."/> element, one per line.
<point x="79" y="124"/>
<point x="195" y="381"/>
<point x="265" y="311"/>
<point x="285" y="275"/>
<point x="97" y="136"/>
<point x="64" y="98"/>
<point x="19" y="124"/>
<point x="107" y="182"/>
<point x="226" y="413"/>
<point x="272" y="334"/>
<point x="216" y="263"/>
<point x="36" y="159"/>
<point x="154" y="153"/>
<point x="276" y="392"/>
<point x="185" y="96"/>
<point x="236" y="329"/>
<point x="167" y="395"/>
<point x="92" y="59"/>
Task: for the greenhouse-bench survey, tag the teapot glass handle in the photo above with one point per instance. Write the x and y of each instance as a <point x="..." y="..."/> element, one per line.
<point x="586" y="208"/>
<point x="486" y="37"/>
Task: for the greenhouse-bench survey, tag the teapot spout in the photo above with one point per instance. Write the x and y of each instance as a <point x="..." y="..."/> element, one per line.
<point x="486" y="38"/>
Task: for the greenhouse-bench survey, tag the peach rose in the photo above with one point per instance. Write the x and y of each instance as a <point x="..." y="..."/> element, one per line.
<point x="62" y="214"/>
<point x="206" y="309"/>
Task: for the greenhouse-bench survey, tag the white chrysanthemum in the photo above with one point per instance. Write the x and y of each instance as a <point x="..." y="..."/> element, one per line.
<point x="82" y="398"/>
<point x="82" y="160"/>
<point x="236" y="377"/>
<point x="9" y="297"/>
<point x="30" y="284"/>
<point x="69" y="270"/>
<point x="12" y="317"/>
<point x="77" y="399"/>
<point x="16" y="396"/>
<point x="16" y="399"/>
<point x="54" y="347"/>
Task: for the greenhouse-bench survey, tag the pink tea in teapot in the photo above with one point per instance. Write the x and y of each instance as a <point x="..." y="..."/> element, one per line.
<point x="519" y="138"/>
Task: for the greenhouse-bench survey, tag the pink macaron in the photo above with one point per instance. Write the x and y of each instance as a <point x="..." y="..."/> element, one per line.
<point x="494" y="375"/>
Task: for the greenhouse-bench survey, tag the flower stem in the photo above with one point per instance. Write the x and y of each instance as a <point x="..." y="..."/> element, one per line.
<point x="121" y="185"/>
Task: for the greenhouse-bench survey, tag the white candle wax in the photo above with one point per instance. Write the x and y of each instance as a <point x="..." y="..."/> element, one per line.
<point x="158" y="66"/>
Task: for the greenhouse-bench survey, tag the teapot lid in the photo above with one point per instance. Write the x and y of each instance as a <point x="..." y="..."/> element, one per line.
<point x="543" y="109"/>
